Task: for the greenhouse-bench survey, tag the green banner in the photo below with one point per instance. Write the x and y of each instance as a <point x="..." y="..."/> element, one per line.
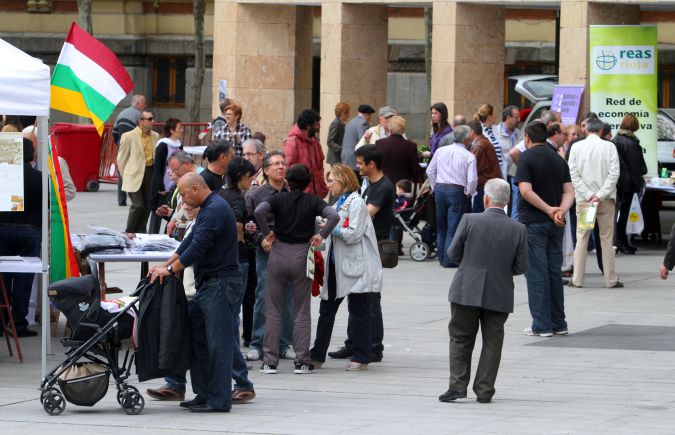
<point x="623" y="68"/>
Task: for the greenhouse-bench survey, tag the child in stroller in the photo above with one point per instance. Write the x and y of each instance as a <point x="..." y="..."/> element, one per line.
<point x="410" y="218"/>
<point x="92" y="351"/>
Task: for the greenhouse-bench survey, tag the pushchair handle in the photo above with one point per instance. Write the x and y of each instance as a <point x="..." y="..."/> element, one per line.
<point x="94" y="326"/>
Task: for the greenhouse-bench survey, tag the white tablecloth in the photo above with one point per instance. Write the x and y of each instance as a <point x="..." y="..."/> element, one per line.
<point x="20" y="265"/>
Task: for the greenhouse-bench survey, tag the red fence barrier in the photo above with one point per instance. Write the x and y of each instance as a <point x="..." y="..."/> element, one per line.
<point x="108" y="169"/>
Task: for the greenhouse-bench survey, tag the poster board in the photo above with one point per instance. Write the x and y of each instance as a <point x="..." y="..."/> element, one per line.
<point x="623" y="73"/>
<point x="11" y="172"/>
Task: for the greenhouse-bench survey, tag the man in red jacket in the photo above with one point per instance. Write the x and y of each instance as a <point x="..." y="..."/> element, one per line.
<point x="302" y="146"/>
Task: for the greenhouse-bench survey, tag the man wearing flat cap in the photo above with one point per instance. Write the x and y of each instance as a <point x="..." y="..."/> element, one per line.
<point x="354" y="130"/>
<point x="381" y="130"/>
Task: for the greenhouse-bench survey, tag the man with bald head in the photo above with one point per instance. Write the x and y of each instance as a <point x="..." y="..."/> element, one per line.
<point x="211" y="248"/>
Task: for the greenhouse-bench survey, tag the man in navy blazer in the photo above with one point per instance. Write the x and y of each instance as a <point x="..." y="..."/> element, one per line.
<point x="490" y="249"/>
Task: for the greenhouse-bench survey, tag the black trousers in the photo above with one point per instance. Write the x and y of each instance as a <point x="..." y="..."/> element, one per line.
<point x="359" y="330"/>
<point x="463" y="328"/>
<point x="249" y="299"/>
<point x="624" y="200"/>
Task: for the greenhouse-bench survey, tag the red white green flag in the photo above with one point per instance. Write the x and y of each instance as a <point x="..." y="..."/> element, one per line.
<point x="88" y="79"/>
<point x="61" y="255"/>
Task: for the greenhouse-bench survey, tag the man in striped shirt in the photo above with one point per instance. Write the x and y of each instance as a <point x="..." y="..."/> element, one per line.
<point x="453" y="177"/>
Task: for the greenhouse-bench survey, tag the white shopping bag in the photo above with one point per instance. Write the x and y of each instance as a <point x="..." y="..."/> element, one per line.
<point x="568" y="246"/>
<point x="309" y="271"/>
<point x="636" y="222"/>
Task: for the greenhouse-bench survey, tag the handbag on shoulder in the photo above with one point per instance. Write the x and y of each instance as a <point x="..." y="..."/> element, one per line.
<point x="388" y="253"/>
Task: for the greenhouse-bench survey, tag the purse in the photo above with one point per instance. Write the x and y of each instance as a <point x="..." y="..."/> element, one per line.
<point x="388" y="253"/>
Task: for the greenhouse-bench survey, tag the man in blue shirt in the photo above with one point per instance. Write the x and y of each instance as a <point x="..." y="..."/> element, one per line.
<point x="212" y="250"/>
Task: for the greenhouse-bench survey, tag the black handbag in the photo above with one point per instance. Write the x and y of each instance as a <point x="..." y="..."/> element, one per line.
<point x="388" y="253"/>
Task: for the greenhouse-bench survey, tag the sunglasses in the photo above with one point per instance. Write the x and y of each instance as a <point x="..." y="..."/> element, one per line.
<point x="148" y="119"/>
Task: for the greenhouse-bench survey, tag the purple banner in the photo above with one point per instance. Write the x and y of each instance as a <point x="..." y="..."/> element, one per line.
<point x="566" y="101"/>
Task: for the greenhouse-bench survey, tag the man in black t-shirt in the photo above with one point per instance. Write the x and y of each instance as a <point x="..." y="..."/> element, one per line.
<point x="218" y="155"/>
<point x="379" y="195"/>
<point x="546" y="194"/>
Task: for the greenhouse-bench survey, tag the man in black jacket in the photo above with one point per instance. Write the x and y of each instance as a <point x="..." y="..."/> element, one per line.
<point x="164" y="331"/>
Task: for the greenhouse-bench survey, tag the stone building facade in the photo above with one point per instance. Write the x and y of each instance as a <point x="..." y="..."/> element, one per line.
<point x="281" y="56"/>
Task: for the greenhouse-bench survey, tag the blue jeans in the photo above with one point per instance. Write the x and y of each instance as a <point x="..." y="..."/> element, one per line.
<point x="21" y="240"/>
<point x="451" y="204"/>
<point x="545" y="294"/>
<point x="260" y="308"/>
<point x="513" y="209"/>
<point x="239" y="369"/>
<point x="478" y="206"/>
<point x="211" y="311"/>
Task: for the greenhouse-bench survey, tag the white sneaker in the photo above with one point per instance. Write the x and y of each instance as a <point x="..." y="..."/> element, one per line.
<point x="268" y="369"/>
<point x="303" y="369"/>
<point x="288" y="354"/>
<point x="253" y="355"/>
<point x="531" y="333"/>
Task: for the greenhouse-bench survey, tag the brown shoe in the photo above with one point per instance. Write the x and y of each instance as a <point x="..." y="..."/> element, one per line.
<point x="242" y="396"/>
<point x="165" y="393"/>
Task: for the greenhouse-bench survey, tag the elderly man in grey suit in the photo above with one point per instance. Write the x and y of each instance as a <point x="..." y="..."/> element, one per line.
<point x="490" y="249"/>
<point x="354" y="130"/>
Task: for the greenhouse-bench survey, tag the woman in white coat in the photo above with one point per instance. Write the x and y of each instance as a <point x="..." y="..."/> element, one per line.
<point x="353" y="269"/>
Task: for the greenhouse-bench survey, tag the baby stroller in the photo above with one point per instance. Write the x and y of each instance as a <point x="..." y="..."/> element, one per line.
<point x="92" y="351"/>
<point x="410" y="220"/>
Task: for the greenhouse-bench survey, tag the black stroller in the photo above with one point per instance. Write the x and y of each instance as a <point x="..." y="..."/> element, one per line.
<point x="419" y="222"/>
<point x="92" y="351"/>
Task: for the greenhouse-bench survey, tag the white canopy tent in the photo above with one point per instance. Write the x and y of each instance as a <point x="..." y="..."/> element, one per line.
<point x="25" y="83"/>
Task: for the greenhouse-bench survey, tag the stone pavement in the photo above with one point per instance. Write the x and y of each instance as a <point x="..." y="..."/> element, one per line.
<point x="612" y="374"/>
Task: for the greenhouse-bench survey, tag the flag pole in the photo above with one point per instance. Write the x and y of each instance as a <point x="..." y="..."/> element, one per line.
<point x="45" y="316"/>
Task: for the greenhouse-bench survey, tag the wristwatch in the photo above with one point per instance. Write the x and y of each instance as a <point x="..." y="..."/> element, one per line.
<point x="169" y="269"/>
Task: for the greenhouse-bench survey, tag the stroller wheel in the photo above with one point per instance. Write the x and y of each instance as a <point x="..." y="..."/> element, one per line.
<point x="132" y="401"/>
<point x="124" y="388"/>
<point x="419" y="251"/>
<point x="53" y="401"/>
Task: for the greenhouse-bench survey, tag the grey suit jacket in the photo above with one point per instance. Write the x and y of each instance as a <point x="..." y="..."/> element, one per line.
<point x="355" y="128"/>
<point x="490" y="249"/>
<point x="336" y="133"/>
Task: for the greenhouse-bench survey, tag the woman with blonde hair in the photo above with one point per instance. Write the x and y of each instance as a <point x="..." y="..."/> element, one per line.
<point x="353" y="269"/>
<point x="632" y="169"/>
<point x="487" y="118"/>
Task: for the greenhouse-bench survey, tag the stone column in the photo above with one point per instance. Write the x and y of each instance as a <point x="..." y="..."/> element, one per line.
<point x="354" y="47"/>
<point x="264" y="53"/>
<point x="467" y="56"/>
<point x="575" y="17"/>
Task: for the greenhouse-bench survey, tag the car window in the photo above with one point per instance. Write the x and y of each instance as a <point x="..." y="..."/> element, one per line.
<point x="540" y="88"/>
<point x="665" y="127"/>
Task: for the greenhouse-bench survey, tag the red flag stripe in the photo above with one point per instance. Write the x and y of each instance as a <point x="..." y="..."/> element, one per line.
<point x="100" y="54"/>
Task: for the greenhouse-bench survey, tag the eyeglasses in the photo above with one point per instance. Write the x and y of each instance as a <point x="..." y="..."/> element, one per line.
<point x="277" y="164"/>
<point x="250" y="154"/>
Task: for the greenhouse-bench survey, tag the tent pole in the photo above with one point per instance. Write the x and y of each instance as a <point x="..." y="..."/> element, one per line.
<point x="43" y="151"/>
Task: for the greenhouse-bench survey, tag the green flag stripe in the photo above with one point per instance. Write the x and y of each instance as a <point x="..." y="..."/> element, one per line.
<point x="58" y="253"/>
<point x="64" y="77"/>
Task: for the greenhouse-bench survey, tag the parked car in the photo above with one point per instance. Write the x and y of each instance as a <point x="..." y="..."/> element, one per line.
<point x="538" y="89"/>
<point x="665" y="130"/>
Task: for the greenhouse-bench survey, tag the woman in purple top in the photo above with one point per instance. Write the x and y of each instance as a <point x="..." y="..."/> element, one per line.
<point x="440" y="126"/>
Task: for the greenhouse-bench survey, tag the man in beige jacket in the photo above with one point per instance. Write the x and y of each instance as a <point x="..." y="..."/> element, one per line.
<point x="594" y="169"/>
<point x="134" y="160"/>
